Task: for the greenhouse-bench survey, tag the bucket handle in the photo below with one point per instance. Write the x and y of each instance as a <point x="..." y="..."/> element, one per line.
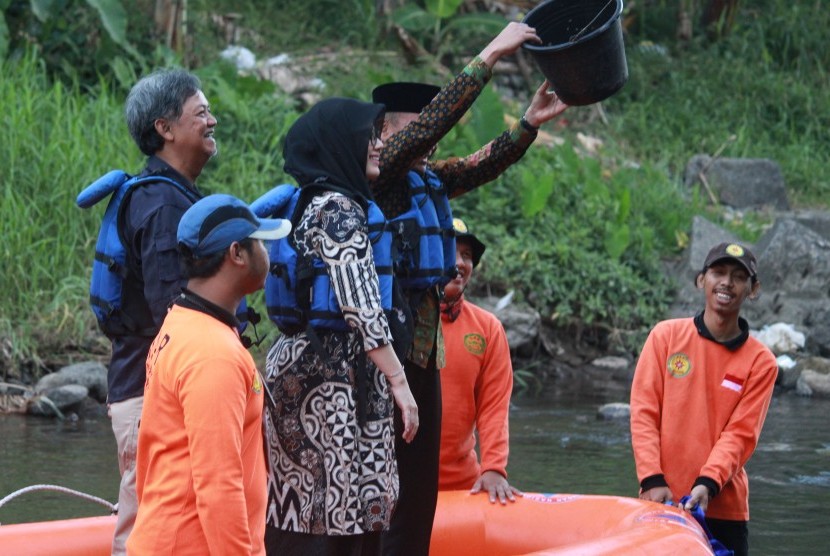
<point x="578" y="36"/>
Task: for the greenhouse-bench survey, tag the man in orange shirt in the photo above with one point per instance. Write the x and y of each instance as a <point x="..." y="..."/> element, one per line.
<point x="476" y="384"/>
<point x="201" y="464"/>
<point x="699" y="398"/>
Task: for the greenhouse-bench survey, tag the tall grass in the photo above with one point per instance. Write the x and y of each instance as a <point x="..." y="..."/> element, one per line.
<point x="765" y="83"/>
<point x="579" y="239"/>
<point x="56" y="141"/>
<point x="51" y="148"/>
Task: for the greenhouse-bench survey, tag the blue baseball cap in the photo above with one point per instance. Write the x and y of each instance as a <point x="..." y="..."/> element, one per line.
<point x="216" y="221"/>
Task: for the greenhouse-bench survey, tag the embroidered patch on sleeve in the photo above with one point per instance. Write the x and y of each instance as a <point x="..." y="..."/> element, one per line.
<point x="475" y="343"/>
<point x="733" y="383"/>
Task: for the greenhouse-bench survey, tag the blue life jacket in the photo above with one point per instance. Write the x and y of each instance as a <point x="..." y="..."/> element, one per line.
<point x="109" y="269"/>
<point x="298" y="292"/>
<point x="424" y="238"/>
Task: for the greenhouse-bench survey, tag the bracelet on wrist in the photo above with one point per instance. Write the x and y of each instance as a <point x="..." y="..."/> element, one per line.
<point x="525" y="124"/>
<point x="396" y="373"/>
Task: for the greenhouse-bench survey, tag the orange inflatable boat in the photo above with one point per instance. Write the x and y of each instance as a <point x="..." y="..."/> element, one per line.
<point x="562" y="524"/>
<point x="464" y="525"/>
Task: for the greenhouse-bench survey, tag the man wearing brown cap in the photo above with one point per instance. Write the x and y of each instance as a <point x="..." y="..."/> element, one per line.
<point x="475" y="385"/>
<point x="699" y="397"/>
<point x="414" y="194"/>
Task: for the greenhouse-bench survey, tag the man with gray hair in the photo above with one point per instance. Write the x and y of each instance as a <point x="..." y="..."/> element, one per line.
<point x="169" y="119"/>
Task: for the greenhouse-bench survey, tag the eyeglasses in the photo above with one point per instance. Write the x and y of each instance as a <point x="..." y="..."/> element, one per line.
<point x="377" y="130"/>
<point x="376" y="133"/>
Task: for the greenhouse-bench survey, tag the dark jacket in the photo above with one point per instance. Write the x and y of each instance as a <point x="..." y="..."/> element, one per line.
<point x="151" y="220"/>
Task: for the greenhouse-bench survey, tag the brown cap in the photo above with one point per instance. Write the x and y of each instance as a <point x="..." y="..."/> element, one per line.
<point x="735" y="252"/>
<point x="462" y="232"/>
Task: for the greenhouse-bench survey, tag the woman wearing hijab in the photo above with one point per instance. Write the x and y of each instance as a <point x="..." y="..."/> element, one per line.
<point x="333" y="480"/>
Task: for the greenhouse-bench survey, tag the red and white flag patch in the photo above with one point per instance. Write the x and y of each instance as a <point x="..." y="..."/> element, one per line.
<point x="733" y="382"/>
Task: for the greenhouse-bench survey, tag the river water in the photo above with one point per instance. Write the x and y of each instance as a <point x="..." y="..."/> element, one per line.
<point x="557" y="445"/>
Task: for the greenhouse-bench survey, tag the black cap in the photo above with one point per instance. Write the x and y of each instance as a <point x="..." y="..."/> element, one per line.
<point x="404" y="96"/>
<point x="462" y="232"/>
<point x="734" y="252"/>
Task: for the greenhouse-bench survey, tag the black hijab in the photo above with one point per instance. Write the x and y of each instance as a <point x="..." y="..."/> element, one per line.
<point x="327" y="146"/>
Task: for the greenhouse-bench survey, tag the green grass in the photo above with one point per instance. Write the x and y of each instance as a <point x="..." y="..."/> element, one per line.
<point x="764" y="84"/>
<point x="51" y="148"/>
<point x="578" y="238"/>
<point x="56" y="141"/>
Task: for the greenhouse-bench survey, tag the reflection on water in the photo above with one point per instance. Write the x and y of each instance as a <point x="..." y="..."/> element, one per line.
<point x="79" y="455"/>
<point x="556" y="445"/>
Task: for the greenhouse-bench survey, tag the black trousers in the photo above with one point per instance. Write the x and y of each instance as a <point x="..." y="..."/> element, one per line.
<point x="411" y="527"/>
<point x="288" y="543"/>
<point x="733" y="534"/>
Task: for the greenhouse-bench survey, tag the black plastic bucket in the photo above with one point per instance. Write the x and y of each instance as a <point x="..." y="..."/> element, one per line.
<point x="582" y="52"/>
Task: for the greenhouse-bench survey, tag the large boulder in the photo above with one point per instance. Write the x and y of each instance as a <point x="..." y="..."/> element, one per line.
<point x="813" y="383"/>
<point x="817" y="221"/>
<point x="794" y="268"/>
<point x="68" y="397"/>
<point x="740" y="182"/>
<point x="90" y="374"/>
<point x="521" y="323"/>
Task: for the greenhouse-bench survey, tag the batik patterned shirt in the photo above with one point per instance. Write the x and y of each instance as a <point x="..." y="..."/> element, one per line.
<point x="330" y="437"/>
<point x="459" y="175"/>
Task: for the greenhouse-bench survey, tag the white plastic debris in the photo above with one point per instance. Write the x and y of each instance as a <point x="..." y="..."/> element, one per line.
<point x="785" y="362"/>
<point x="240" y="56"/>
<point x="504" y="301"/>
<point x="278" y="60"/>
<point x="780" y="337"/>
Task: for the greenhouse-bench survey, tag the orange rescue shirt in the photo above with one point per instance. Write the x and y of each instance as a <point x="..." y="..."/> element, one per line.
<point x="476" y="384"/>
<point x="697" y="410"/>
<point x="200" y="464"/>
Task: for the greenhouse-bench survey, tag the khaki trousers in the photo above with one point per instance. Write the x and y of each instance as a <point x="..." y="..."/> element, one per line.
<point x="125" y="416"/>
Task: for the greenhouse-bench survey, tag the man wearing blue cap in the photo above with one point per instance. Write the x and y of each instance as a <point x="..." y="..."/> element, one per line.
<point x="201" y="465"/>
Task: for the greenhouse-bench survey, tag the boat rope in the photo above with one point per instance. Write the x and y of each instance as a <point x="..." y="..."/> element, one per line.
<point x="113" y="508"/>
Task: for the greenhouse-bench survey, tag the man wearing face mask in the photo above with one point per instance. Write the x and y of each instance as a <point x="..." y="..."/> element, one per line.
<point x="476" y="385"/>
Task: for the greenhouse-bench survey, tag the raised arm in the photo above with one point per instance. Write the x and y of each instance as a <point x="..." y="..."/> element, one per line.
<point x="461" y="175"/>
<point x="417" y="139"/>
